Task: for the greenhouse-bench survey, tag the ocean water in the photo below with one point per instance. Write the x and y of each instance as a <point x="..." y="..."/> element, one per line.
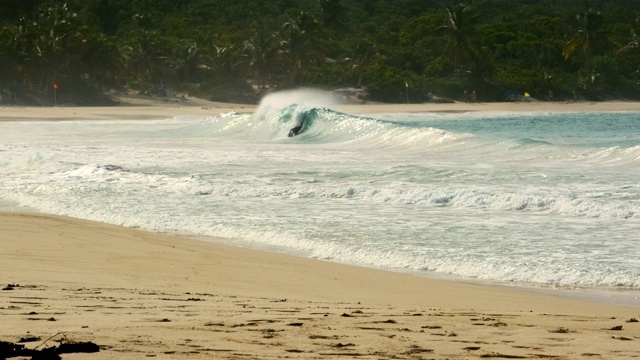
<point x="545" y="199"/>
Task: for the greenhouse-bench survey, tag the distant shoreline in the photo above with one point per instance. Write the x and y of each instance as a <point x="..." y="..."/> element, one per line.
<point x="157" y="109"/>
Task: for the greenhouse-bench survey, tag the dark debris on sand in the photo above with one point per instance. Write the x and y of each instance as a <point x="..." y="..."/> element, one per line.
<point x="9" y="350"/>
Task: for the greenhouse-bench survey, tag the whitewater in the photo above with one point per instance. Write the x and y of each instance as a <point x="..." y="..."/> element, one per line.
<point x="544" y="199"/>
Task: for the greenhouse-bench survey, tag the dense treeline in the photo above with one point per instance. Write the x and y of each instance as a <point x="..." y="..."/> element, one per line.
<point x="399" y="50"/>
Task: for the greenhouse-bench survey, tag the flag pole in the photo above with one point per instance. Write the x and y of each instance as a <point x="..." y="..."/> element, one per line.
<point x="406" y="84"/>
<point x="55" y="95"/>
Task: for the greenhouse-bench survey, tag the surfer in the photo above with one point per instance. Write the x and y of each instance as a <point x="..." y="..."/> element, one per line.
<point x="298" y="128"/>
<point x="295" y="131"/>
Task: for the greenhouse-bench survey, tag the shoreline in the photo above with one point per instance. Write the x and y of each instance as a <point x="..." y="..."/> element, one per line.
<point x="153" y="109"/>
<point x="608" y="296"/>
<point x="140" y="294"/>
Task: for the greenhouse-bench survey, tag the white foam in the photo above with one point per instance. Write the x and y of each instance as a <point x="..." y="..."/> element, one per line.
<point x="353" y="189"/>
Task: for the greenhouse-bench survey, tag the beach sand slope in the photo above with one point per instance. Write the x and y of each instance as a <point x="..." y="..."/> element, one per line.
<point x="144" y="295"/>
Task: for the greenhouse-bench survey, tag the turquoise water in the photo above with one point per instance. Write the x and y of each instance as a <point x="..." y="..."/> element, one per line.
<point x="617" y="129"/>
<point x="532" y="199"/>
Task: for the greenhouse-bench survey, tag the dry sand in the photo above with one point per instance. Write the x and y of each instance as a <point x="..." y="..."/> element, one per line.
<point x="137" y="107"/>
<point x="146" y="295"/>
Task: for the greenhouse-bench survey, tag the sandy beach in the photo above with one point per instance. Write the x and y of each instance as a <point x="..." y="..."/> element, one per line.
<point x="138" y="294"/>
<point x="138" y="107"/>
<point x="147" y="295"/>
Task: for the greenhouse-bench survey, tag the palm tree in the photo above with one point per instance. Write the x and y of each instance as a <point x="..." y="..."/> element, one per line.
<point x="187" y="57"/>
<point x="364" y="55"/>
<point x="5" y="48"/>
<point x="333" y="14"/>
<point x="459" y="51"/>
<point x="584" y="40"/>
<point x="303" y="43"/>
<point x="634" y="45"/>
<point x="13" y="47"/>
<point x="259" y="55"/>
<point x="633" y="48"/>
<point x="47" y="44"/>
<point x="103" y="59"/>
<point x="60" y="38"/>
<point x="222" y="62"/>
<point x="144" y="58"/>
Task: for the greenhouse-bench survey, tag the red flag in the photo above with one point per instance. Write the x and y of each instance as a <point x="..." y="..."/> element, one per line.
<point x="55" y="86"/>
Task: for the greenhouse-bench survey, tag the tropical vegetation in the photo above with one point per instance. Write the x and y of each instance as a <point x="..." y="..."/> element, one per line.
<point x="398" y="50"/>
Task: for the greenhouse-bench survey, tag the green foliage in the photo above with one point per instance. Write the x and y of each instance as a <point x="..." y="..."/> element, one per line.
<point x="232" y="50"/>
<point x="387" y="83"/>
<point x="229" y="91"/>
